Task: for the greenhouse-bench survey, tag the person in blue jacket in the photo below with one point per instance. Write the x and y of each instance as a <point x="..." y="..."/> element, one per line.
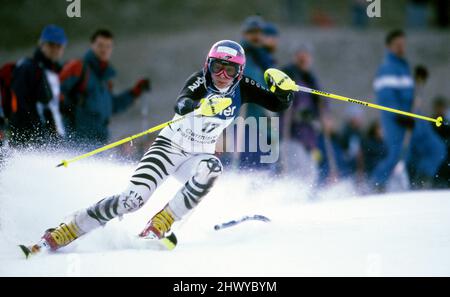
<point x="88" y="98"/>
<point x="394" y="87"/>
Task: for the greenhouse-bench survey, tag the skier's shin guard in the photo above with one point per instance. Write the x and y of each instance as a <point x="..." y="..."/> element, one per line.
<point x="109" y="208"/>
<point x="196" y="187"/>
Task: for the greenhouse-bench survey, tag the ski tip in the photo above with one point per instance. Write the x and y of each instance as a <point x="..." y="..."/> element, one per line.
<point x="63" y="163"/>
<point x="262" y="218"/>
<point x="25" y="250"/>
<point x="170" y="242"/>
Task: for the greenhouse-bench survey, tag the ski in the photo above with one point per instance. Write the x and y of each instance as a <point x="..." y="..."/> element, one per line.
<point x="243" y="219"/>
<point x="26" y="250"/>
<point x="33" y="249"/>
<point x="170" y="241"/>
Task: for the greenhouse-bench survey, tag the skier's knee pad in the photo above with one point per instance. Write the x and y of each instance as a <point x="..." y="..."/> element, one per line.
<point x="130" y="201"/>
<point x="196" y="187"/>
<point x="208" y="170"/>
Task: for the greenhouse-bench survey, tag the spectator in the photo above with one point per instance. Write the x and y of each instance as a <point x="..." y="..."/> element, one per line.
<point x="441" y="109"/>
<point x="88" y="99"/>
<point x="428" y="149"/>
<point x="332" y="164"/>
<point x="394" y="87"/>
<point x="302" y="123"/>
<point x="351" y="142"/>
<point x="34" y="116"/>
<point x="420" y="79"/>
<point x="373" y="147"/>
<point x="271" y="39"/>
<point x="258" y="60"/>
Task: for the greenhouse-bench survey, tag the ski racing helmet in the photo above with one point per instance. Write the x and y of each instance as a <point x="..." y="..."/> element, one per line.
<point x="227" y="56"/>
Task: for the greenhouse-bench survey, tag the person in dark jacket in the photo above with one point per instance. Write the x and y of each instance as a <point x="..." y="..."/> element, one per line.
<point x="303" y="122"/>
<point x="441" y="109"/>
<point x="271" y="40"/>
<point x="258" y="60"/>
<point x="88" y="100"/>
<point x="373" y="147"/>
<point x="351" y="138"/>
<point x="35" y="113"/>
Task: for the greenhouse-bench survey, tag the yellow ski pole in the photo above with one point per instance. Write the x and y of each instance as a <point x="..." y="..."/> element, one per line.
<point x="285" y="83"/>
<point x="208" y="107"/>
<point x="437" y="121"/>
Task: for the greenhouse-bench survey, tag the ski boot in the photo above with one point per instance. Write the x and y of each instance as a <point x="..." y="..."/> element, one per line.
<point x="158" y="229"/>
<point x="54" y="239"/>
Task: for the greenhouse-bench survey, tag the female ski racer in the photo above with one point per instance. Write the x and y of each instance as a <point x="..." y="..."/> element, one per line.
<point x="184" y="150"/>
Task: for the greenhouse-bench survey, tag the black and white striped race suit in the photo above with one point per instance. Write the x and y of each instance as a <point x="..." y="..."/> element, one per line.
<point x="184" y="150"/>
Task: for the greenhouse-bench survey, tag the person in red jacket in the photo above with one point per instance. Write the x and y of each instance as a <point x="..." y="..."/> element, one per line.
<point x="88" y="101"/>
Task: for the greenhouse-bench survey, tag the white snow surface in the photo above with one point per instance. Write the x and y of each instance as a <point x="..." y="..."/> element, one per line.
<point x="335" y="233"/>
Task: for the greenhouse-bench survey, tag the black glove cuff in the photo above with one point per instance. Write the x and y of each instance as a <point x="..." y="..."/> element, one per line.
<point x="284" y="96"/>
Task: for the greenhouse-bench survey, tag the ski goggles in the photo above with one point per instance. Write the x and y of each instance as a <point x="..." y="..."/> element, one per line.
<point x="230" y="70"/>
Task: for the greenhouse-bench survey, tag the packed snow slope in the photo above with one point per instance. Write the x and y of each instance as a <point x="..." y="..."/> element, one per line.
<point x="330" y="233"/>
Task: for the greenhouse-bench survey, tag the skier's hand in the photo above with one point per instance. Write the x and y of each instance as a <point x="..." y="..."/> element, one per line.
<point x="405" y="121"/>
<point x="280" y="84"/>
<point x="282" y="95"/>
<point x="213" y="106"/>
<point x="277" y="78"/>
<point x="186" y="105"/>
<point x="143" y="85"/>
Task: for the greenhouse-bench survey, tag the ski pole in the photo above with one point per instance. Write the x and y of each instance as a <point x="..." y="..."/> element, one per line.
<point x="285" y="83"/>
<point x="243" y="219"/>
<point x="208" y="107"/>
<point x="437" y="121"/>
